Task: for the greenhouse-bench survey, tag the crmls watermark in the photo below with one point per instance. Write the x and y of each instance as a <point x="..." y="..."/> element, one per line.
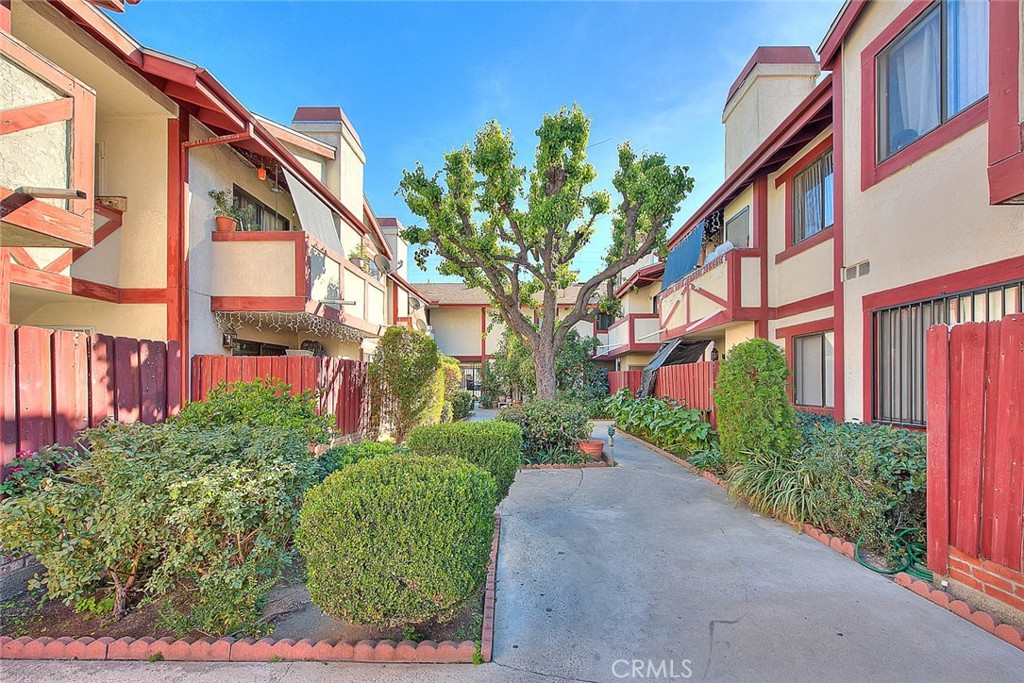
<point x="652" y="668"/>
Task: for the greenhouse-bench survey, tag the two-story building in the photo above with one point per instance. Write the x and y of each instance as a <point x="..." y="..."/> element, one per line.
<point x="862" y="203"/>
<point x="108" y="154"/>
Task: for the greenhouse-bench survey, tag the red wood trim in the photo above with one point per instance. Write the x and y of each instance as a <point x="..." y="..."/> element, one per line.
<point x="293" y="137"/>
<point x="22" y="256"/>
<point x="144" y="295"/>
<point x="812" y="155"/>
<point x="823" y="325"/>
<point x="483" y="331"/>
<point x="806" y="305"/>
<point x="950" y="283"/>
<point x="842" y="26"/>
<point x="470" y="359"/>
<point x="761" y="243"/>
<point x="259" y="236"/>
<point x="1006" y="179"/>
<point x="39" y="279"/>
<point x="1004" y="133"/>
<point x="178" y="333"/>
<point x="631" y="347"/>
<point x="937" y="396"/>
<point x="23" y="118"/>
<point x="873" y="170"/>
<point x="84" y="151"/>
<point x="838" y="302"/>
<point x="59" y="264"/>
<point x="803" y="245"/>
<point x="868" y="368"/>
<point x="257" y="303"/>
<point x="5" y="21"/>
<point x="95" y="290"/>
<point x="303" y="287"/>
<point x="5" y="304"/>
<point x="733" y="289"/>
<point x="37" y="216"/>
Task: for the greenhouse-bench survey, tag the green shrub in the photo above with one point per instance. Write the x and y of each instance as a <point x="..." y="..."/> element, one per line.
<point x="155" y="507"/>
<point x="776" y="484"/>
<point x="870" y="482"/>
<point x="342" y="456"/>
<point x="404" y="382"/>
<point x="709" y="458"/>
<point x="261" y="404"/>
<point x="402" y="540"/>
<point x="549" y="426"/>
<point x="493" y="446"/>
<point x="751" y="398"/>
<point x="462" y="404"/>
<point x="660" y="421"/>
<point x="31" y="471"/>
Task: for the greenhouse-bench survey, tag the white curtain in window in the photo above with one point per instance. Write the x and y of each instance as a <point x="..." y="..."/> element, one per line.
<point x="966" y="53"/>
<point x="809" y="378"/>
<point x="813" y="198"/>
<point x="912" y="79"/>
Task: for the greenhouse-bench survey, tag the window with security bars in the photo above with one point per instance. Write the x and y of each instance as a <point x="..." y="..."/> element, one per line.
<point x="899" y="345"/>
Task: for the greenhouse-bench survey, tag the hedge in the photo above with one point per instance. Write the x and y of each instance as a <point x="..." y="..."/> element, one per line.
<point x="497" y="447"/>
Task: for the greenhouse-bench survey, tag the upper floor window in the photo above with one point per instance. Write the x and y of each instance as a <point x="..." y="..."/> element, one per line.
<point x="813" y="198"/>
<point x="737" y="229"/>
<point x="935" y="69"/>
<point x="264" y="217"/>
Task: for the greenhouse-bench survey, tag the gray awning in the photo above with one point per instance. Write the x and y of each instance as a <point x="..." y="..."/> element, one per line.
<point x="315" y="217"/>
<point x="672" y="352"/>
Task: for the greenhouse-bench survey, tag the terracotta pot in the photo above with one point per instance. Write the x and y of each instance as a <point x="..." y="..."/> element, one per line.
<point x="593" y="448"/>
<point x="226" y="224"/>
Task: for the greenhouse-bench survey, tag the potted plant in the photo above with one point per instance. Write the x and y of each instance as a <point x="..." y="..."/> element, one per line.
<point x="225" y="212"/>
<point x="360" y="256"/>
<point x="592" y="448"/>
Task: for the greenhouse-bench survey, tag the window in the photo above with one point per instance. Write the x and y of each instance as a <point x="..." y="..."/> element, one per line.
<point x="241" y="347"/>
<point x="266" y="219"/>
<point x="471" y="378"/>
<point x="814" y="370"/>
<point x="813" y="198"/>
<point x="899" y="345"/>
<point x="737" y="229"/>
<point x="604" y="321"/>
<point x="931" y="72"/>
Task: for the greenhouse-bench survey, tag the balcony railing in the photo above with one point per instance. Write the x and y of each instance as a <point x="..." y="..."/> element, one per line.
<point x="722" y="291"/>
<point x="634" y="332"/>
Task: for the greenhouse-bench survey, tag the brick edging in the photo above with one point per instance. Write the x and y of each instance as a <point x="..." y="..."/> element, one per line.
<point x="1008" y="632"/>
<point x="567" y="466"/>
<point x="266" y="649"/>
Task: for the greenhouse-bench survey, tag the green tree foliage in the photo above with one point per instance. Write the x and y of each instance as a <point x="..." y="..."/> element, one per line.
<point x="752" y="402"/>
<point x="369" y="565"/>
<point x="578" y="378"/>
<point x="550" y="428"/>
<point x="494" y="446"/>
<point x="404" y="382"/>
<point x="514" y="231"/>
<point x="511" y="368"/>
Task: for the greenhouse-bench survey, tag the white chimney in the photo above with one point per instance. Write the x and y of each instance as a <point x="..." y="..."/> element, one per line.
<point x="345" y="173"/>
<point x="771" y="85"/>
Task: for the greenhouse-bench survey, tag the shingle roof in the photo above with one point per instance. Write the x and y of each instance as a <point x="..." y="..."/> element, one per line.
<point x="458" y="294"/>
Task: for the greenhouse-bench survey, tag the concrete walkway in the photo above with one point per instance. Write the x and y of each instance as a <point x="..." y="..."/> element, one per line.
<point x="648" y="562"/>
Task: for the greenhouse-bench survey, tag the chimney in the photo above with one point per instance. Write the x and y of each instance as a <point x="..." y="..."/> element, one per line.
<point x="345" y="173"/>
<point x="771" y="85"/>
<point x="392" y="230"/>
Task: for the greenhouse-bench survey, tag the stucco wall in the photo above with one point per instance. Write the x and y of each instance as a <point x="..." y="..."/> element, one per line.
<point x="35" y="156"/>
<point x="457" y="330"/>
<point x="142" y="321"/>
<point x="928" y="219"/>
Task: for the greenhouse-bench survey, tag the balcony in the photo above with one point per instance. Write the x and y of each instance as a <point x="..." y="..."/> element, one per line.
<point x="290" y="272"/>
<point x="725" y="290"/>
<point x="632" y="333"/>
<point x="47" y="135"/>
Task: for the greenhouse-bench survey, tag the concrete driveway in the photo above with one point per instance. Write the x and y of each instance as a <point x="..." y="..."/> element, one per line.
<point x="647" y="572"/>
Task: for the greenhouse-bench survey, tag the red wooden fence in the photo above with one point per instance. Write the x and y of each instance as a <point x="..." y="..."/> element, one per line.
<point x="54" y="383"/>
<point x="629" y="379"/>
<point x="340" y="384"/>
<point x="975" y="394"/>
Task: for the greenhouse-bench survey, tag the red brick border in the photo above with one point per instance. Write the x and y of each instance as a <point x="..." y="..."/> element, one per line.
<point x="267" y="649"/>
<point x="570" y="466"/>
<point x="1008" y="632"/>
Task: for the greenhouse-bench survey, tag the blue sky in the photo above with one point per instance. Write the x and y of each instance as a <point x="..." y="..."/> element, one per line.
<point x="417" y="79"/>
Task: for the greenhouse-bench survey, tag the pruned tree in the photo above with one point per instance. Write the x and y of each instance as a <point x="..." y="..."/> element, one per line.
<point x="514" y="232"/>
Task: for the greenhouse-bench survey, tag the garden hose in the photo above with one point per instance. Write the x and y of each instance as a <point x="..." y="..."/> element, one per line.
<point x="912" y="557"/>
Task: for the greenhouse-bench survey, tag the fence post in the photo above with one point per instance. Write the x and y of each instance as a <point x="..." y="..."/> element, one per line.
<point x="937" y="396"/>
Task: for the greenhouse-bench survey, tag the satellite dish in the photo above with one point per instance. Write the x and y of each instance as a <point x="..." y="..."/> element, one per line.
<point x="382" y="263"/>
<point x="414" y="304"/>
<point x="421" y="326"/>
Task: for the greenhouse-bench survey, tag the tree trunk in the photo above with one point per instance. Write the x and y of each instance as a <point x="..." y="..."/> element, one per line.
<point x="544" y="367"/>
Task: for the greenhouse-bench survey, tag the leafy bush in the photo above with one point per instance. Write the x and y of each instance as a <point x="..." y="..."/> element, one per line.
<point x="580" y="379"/>
<point x="777" y="484"/>
<point x="261" y="404"/>
<point x="870" y="480"/>
<point x="403" y="382"/>
<point x="31" y="471"/>
<point x="549" y="426"/>
<point x="342" y="456"/>
<point x="754" y="412"/>
<point x="709" y="458"/>
<point x="660" y="421"/>
<point x="462" y="404"/>
<point x="369" y="565"/>
<point x="155" y="507"/>
<point x="493" y="446"/>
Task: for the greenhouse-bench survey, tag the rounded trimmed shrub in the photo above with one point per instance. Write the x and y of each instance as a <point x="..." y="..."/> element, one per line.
<point x="751" y="397"/>
<point x="397" y="540"/>
<point x="549" y="426"/>
<point x="494" y="446"/>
